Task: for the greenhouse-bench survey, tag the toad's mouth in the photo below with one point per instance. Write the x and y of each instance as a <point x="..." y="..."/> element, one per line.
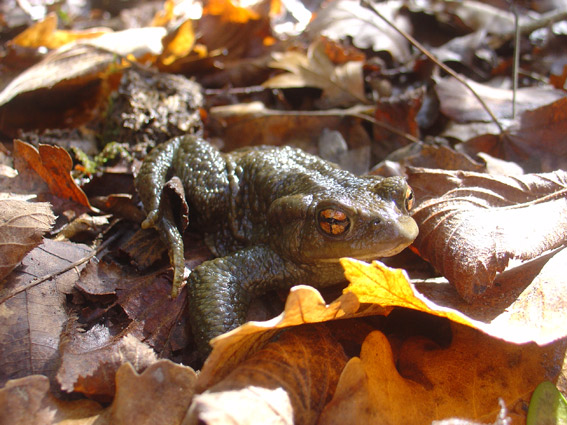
<point x="369" y="256"/>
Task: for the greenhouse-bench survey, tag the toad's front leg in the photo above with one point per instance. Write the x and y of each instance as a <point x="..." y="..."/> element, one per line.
<point x="220" y="290"/>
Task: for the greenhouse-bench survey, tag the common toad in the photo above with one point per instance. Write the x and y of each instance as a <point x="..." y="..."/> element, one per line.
<point x="275" y="217"/>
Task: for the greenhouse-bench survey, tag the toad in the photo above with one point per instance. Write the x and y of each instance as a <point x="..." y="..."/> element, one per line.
<point x="274" y="217"/>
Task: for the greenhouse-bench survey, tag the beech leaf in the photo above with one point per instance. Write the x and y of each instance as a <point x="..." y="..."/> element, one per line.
<point x="22" y="225"/>
<point x="53" y="164"/>
<point x="33" y="312"/>
<point x="472" y="224"/>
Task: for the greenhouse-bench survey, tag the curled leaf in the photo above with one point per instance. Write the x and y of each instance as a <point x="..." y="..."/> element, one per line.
<point x="472" y="225"/>
<point x="22" y="225"/>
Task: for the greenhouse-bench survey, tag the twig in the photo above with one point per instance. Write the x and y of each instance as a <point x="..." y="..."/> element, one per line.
<point x="422" y="49"/>
<point x="516" y="65"/>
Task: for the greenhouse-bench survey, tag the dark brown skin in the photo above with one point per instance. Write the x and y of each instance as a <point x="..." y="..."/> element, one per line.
<point x="274" y="216"/>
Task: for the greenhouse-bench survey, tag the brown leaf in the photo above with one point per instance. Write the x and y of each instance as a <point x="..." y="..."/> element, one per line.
<point x="458" y="103"/>
<point x="53" y="164"/>
<point x="82" y="58"/>
<point x="304" y="305"/>
<point x="347" y="18"/>
<point x="28" y="401"/>
<point x="465" y="379"/>
<point x="478" y="223"/>
<point x="288" y="381"/>
<point x="89" y="360"/>
<point x="541" y="136"/>
<point x="22" y="225"/>
<point x="342" y="85"/>
<point x="253" y="124"/>
<point x="159" y="395"/>
<point x="34" y="311"/>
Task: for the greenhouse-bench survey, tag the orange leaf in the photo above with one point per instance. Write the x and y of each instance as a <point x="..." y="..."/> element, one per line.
<point x="46" y="34"/>
<point x="53" y="164"/>
<point x="230" y="12"/>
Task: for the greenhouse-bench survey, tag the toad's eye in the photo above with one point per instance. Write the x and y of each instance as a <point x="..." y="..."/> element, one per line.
<point x="409" y="199"/>
<point x="333" y="222"/>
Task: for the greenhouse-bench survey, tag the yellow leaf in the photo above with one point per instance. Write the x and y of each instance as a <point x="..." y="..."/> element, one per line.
<point x="378" y="284"/>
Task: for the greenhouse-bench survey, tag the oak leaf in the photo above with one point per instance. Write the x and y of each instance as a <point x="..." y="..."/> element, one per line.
<point x="22" y="225"/>
<point x="465" y="379"/>
<point x="472" y="225"/>
<point x="28" y="401"/>
<point x="160" y="394"/>
<point x="342" y="85"/>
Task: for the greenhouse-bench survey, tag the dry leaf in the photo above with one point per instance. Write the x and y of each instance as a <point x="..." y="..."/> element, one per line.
<point x="472" y="225"/>
<point x="22" y="225"/>
<point x="33" y="312"/>
<point x="53" y="164"/>
<point x="535" y="314"/>
<point x="28" y="401"/>
<point x="159" y="395"/>
<point x="342" y="85"/>
<point x="304" y="305"/>
<point x="46" y="34"/>
<point x="82" y="58"/>
<point x="347" y="18"/>
<point x="288" y="381"/>
<point x="465" y="379"/>
<point x="459" y="104"/>
<point x="89" y="360"/>
<point x="252" y="123"/>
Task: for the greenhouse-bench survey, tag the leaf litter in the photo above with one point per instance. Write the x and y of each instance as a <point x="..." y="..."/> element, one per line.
<point x="498" y="240"/>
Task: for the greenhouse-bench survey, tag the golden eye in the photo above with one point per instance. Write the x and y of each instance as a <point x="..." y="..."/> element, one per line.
<point x="333" y="222"/>
<point x="409" y="199"/>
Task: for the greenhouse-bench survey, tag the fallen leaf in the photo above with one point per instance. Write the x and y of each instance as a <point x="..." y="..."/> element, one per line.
<point x="161" y="394"/>
<point x="514" y="314"/>
<point x="28" y="401"/>
<point x="342" y="85"/>
<point x="53" y="164"/>
<point x="22" y="225"/>
<point x="541" y="137"/>
<point x="45" y="34"/>
<point x="34" y="311"/>
<point x="253" y="124"/>
<point x="89" y="360"/>
<point x="288" y="381"/>
<point x="304" y="305"/>
<point x="459" y="104"/>
<point x="472" y="225"/>
<point x="465" y="379"/>
<point x="84" y="58"/>
<point x="347" y="18"/>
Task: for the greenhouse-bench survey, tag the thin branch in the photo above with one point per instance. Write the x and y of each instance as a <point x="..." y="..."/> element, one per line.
<point x="422" y="49"/>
